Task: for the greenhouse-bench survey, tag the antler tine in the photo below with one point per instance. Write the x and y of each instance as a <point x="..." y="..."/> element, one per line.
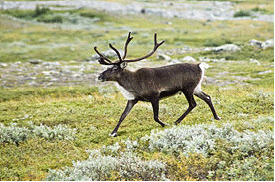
<point x="126" y="45"/>
<point x="117" y="52"/>
<point x="103" y="59"/>
<point x="156" y="45"/>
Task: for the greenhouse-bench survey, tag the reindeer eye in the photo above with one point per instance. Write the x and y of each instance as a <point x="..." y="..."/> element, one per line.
<point x="114" y="69"/>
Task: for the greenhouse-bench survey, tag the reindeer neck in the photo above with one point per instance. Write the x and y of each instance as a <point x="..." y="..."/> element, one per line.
<point x="126" y="79"/>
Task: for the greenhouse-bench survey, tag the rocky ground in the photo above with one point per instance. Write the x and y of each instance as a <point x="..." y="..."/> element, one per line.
<point x="210" y="10"/>
<point x="39" y="73"/>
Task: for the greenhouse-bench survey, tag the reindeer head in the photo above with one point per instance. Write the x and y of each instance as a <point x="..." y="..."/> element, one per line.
<point x="113" y="73"/>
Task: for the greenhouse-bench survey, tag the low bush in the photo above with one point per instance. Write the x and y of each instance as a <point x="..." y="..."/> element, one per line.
<point x="41" y="11"/>
<point x="15" y="134"/>
<point x="200" y="152"/>
<point x="216" y="42"/>
<point x="88" y="14"/>
<point x="28" y="14"/>
<point x="17" y="13"/>
<point x="202" y="139"/>
<point x="50" y="19"/>
<point x="257" y="9"/>
<point x="101" y="167"/>
<point x="242" y="13"/>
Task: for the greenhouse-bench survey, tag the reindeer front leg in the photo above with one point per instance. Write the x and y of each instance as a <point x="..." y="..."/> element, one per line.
<point x="128" y="108"/>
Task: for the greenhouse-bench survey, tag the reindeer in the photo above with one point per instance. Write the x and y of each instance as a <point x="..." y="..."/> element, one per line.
<point x="153" y="84"/>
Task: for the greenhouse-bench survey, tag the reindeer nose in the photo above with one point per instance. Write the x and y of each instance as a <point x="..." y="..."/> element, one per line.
<point x="100" y="77"/>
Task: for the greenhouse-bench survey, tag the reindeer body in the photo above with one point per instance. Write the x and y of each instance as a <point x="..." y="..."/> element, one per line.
<point x="153" y="84"/>
<point x="161" y="81"/>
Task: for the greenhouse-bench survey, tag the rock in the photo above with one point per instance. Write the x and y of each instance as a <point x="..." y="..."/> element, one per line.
<point x="206" y="59"/>
<point x="164" y="57"/>
<point x="109" y="53"/>
<point x="260" y="44"/>
<point x="209" y="80"/>
<point x="254" y="42"/>
<point x="35" y="61"/>
<point x="3" y="64"/>
<point x="54" y="80"/>
<point x="189" y="59"/>
<point x="47" y="73"/>
<point x="227" y="48"/>
<point x="51" y="63"/>
<point x="254" y="61"/>
<point x="173" y="61"/>
<point x="265" y="72"/>
<point x="76" y="75"/>
<point x="143" y="10"/>
<point x="33" y="84"/>
<point x="268" y="43"/>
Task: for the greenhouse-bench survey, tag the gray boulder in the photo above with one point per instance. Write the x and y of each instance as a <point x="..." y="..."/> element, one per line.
<point x="164" y="57"/>
<point x="260" y="44"/>
<point x="109" y="54"/>
<point x="189" y="59"/>
<point x="224" y="48"/>
<point x="227" y="48"/>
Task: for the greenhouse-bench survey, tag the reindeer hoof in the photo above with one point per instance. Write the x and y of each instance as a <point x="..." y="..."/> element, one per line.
<point x="218" y="118"/>
<point x="113" y="134"/>
<point x="163" y="124"/>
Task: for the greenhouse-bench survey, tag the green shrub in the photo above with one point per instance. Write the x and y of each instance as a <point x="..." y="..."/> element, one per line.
<point x="28" y="14"/>
<point x="50" y="19"/>
<point x="88" y="14"/>
<point x="257" y="9"/>
<point x="24" y="14"/>
<point x="41" y="11"/>
<point x="216" y="42"/>
<point x="242" y="13"/>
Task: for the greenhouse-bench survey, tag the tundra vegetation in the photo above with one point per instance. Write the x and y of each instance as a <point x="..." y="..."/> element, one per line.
<point x="56" y="118"/>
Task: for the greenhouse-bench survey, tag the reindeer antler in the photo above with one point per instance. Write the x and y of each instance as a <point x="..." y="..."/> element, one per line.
<point x="126" y="45"/>
<point x="104" y="60"/>
<point x="149" y="54"/>
<point x="117" y="52"/>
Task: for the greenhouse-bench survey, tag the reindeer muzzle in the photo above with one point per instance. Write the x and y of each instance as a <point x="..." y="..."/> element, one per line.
<point x="101" y="78"/>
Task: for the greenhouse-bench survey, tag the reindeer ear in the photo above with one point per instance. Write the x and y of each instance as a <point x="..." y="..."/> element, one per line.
<point x="123" y="65"/>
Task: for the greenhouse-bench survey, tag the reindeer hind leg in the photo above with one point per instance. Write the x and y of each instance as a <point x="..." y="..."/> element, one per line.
<point x="192" y="104"/>
<point x="208" y="100"/>
<point x="155" y="105"/>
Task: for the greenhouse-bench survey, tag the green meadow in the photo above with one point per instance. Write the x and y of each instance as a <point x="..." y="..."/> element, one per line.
<point x="52" y="132"/>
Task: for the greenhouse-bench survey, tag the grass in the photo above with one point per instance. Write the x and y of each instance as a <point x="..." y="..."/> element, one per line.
<point x="94" y="110"/>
